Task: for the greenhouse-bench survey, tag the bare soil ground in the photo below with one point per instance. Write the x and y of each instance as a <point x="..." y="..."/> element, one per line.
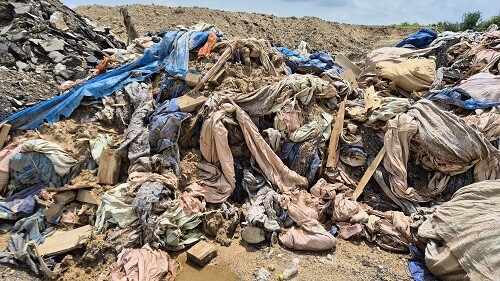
<point x="353" y="41"/>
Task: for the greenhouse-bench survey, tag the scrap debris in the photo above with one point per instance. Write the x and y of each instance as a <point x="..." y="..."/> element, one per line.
<point x="289" y="146"/>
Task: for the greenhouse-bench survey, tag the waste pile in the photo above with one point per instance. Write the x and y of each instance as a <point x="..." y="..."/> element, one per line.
<point x="196" y="135"/>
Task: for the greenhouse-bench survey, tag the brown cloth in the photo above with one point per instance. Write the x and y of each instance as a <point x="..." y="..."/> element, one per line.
<point x="410" y="75"/>
<point x="447" y="144"/>
<point x="309" y="234"/>
<point x="143" y="264"/>
<point x="270" y="164"/>
<point x="463" y="234"/>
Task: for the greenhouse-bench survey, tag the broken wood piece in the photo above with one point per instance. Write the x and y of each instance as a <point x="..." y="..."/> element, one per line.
<point x="348" y="75"/>
<point x="201" y="253"/>
<point x="71" y="187"/>
<point x="64" y="197"/>
<point x="4" y="132"/>
<point x="369" y="172"/>
<point x="64" y="241"/>
<point x="332" y="160"/>
<point x="129" y="25"/>
<point x="192" y="79"/>
<point x="347" y="64"/>
<point x="217" y="79"/>
<point x="190" y="103"/>
<point x="87" y="196"/>
<point x="109" y="167"/>
<point x="53" y="213"/>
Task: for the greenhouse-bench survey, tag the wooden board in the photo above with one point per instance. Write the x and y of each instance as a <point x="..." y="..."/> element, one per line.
<point x="190" y="103"/>
<point x="349" y="76"/>
<point x="4" y="132"/>
<point x="87" y="196"/>
<point x="369" y="172"/>
<point x="332" y="159"/>
<point x="201" y="253"/>
<point x="347" y="64"/>
<point x="109" y="167"/>
<point x="64" y="241"/>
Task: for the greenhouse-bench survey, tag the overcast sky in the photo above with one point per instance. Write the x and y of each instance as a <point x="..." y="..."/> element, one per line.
<point x="347" y="11"/>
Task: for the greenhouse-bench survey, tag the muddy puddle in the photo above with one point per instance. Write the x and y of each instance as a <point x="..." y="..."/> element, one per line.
<point x="211" y="272"/>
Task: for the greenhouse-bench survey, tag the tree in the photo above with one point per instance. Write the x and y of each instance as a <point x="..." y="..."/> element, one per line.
<point x="470" y="20"/>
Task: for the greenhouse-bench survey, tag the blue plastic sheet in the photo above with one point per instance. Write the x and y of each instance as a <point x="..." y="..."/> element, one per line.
<point x="170" y="54"/>
<point x="21" y="204"/>
<point x="317" y="62"/>
<point x="418" y="269"/>
<point x="165" y="126"/>
<point x="459" y="97"/>
<point x="419" y="40"/>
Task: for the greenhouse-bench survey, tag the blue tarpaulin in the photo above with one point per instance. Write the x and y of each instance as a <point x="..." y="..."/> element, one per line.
<point x="317" y="62"/>
<point x="170" y="54"/>
<point x="459" y="97"/>
<point x="418" y="269"/>
<point x="420" y="39"/>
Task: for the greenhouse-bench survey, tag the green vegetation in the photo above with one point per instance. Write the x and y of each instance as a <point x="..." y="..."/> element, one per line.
<point x="407" y="24"/>
<point x="470" y="20"/>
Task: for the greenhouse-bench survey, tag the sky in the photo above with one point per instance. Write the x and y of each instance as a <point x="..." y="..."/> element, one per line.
<point x="374" y="12"/>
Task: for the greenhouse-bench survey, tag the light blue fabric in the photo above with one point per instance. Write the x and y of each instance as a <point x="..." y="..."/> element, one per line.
<point x="170" y="54"/>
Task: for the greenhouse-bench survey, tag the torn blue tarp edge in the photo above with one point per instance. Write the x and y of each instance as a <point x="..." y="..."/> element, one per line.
<point x="107" y="83"/>
<point x="453" y="96"/>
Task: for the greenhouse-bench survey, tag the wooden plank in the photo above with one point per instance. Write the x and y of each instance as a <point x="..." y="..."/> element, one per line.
<point x="64" y="197"/>
<point x="201" y="253"/>
<point x="192" y="79"/>
<point x="87" y="196"/>
<point x="109" y="167"/>
<point x="64" y="241"/>
<point x="332" y="160"/>
<point x="348" y="75"/>
<point x="347" y="64"/>
<point x="189" y="103"/>
<point x="4" y="132"/>
<point x="369" y="172"/>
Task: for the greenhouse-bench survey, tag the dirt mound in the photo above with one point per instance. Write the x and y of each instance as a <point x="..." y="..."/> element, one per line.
<point x="353" y="41"/>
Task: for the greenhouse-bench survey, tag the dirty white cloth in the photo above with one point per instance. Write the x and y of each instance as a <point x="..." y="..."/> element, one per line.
<point x="447" y="144"/>
<point x="463" y="234"/>
<point x="116" y="208"/>
<point x="483" y="87"/>
<point x="59" y="157"/>
<point x="98" y="145"/>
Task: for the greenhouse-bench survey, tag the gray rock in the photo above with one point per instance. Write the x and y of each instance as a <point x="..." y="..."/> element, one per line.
<point x="56" y="57"/>
<point x="57" y="19"/>
<point x="21" y="65"/>
<point x="59" y="68"/>
<point x="7" y="59"/>
<point x="17" y="51"/>
<point x="67" y="74"/>
<point x="19" y="36"/>
<point x="92" y="60"/>
<point x="72" y="62"/>
<point x="5" y="29"/>
<point x="15" y="102"/>
<point x="21" y="8"/>
<point x="53" y="44"/>
<point x="253" y="235"/>
<point x="4" y="48"/>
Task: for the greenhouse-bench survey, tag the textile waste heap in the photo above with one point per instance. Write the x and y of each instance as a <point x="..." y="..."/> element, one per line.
<point x="218" y="136"/>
